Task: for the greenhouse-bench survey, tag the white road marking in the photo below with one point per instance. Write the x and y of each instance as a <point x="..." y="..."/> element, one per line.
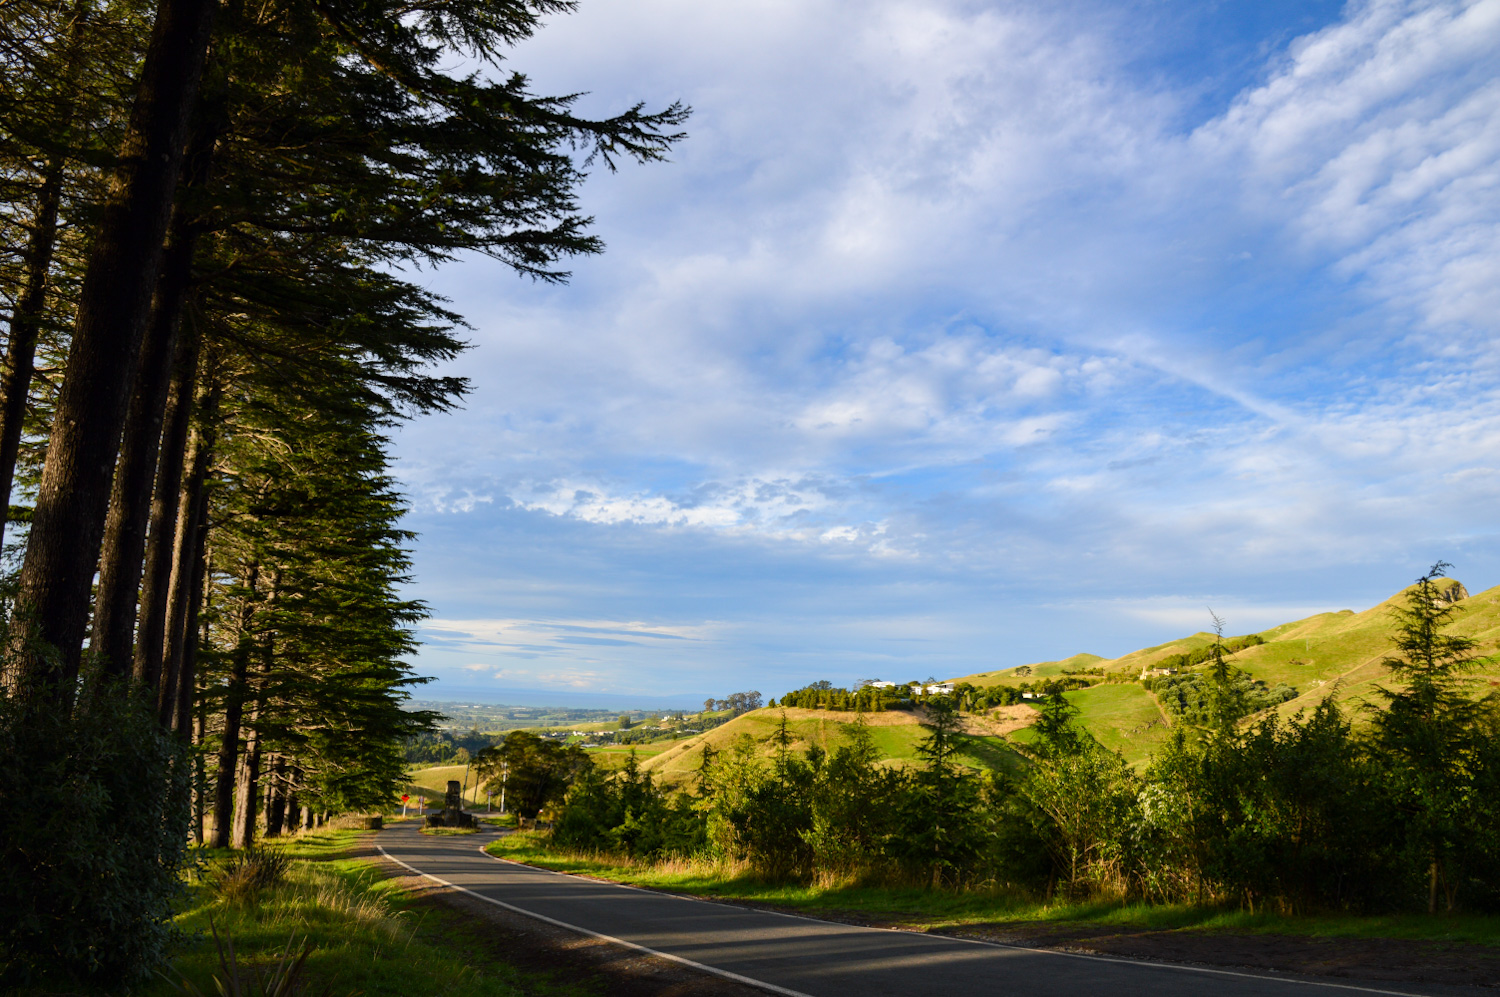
<point x="726" y="974"/>
<point x="773" y="988"/>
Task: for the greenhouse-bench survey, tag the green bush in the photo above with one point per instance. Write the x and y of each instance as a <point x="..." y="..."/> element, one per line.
<point x="1190" y="697"/>
<point x="94" y="806"/>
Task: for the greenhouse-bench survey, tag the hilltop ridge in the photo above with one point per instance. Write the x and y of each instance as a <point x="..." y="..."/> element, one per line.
<point x="1336" y="653"/>
<point x="1333" y="653"/>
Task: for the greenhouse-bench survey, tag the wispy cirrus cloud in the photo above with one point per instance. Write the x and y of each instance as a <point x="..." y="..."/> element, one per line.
<point x="945" y="310"/>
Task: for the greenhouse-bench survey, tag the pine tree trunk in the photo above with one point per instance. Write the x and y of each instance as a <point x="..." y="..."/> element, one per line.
<point x="36" y="264"/>
<point x="229" y="745"/>
<point x="186" y="657"/>
<point x="25" y="330"/>
<point x="234" y="705"/>
<point x="200" y="780"/>
<point x="276" y="797"/>
<point x="131" y="504"/>
<point x="293" y="803"/>
<point x="247" y="783"/>
<point x="169" y="606"/>
<point x="62" y="550"/>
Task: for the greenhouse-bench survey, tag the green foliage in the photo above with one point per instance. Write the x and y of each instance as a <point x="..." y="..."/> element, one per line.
<point x="823" y="695"/>
<point x="533" y="771"/>
<point x="90" y="844"/>
<point x="1300" y="814"/>
<point x="627" y="813"/>
<point x="1012" y="695"/>
<point x="847" y="836"/>
<point x="943" y="822"/>
<point x="1437" y="746"/>
<point x="1195" y="698"/>
<point x="441" y="747"/>
<point x="1198" y="655"/>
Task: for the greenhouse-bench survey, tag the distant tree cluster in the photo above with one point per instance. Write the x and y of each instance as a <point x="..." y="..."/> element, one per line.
<point x="870" y="698"/>
<point x="530" y="772"/>
<point x="444" y="747"/>
<point x="737" y="702"/>
<point x="989" y="697"/>
<point x="823" y="695"/>
<point x="1308" y="813"/>
<point x="1199" y="655"/>
<point x="1191" y="697"/>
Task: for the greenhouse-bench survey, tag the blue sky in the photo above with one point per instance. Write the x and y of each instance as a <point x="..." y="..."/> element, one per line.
<point x="962" y="335"/>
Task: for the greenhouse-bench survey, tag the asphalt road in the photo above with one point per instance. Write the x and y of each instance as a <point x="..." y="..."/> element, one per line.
<point x="804" y="957"/>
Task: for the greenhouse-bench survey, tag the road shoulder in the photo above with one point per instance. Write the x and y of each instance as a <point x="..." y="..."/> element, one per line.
<point x="567" y="959"/>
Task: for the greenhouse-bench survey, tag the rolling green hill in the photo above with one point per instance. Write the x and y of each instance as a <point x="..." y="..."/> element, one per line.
<point x="1329" y="654"/>
<point x="1337" y="653"/>
<point x="896" y="734"/>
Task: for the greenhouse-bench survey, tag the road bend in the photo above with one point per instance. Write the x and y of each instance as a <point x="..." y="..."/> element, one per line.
<point x="804" y="957"/>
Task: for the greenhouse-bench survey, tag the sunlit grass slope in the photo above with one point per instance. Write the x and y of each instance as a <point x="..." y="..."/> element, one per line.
<point x="1328" y="654"/>
<point x="895" y="734"/>
<point x="1124" y="717"/>
<point x="1043" y="669"/>
<point x="432" y="783"/>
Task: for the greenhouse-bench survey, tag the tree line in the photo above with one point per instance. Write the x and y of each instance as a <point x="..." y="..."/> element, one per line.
<point x="870" y="698"/>
<point x="1394" y="809"/>
<point x="208" y="212"/>
<point x="738" y="702"/>
<point x="1198" y="655"/>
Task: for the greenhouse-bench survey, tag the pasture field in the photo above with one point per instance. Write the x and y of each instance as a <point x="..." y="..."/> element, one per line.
<point x="895" y="733"/>
<point x="1338" y="653"/>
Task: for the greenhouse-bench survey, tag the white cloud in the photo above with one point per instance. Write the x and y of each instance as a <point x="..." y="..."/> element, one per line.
<point x="935" y="287"/>
<point x="1379" y="141"/>
<point x="1187" y="615"/>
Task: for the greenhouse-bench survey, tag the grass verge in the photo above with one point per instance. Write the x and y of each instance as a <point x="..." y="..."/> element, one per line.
<point x="365" y="938"/>
<point x="936" y="909"/>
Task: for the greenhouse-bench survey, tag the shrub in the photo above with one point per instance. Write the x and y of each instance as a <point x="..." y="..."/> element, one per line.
<point x="89" y="863"/>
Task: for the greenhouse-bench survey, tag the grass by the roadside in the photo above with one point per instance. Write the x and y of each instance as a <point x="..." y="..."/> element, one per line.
<point x="449" y="830"/>
<point x="925" y="908"/>
<point x="364" y="936"/>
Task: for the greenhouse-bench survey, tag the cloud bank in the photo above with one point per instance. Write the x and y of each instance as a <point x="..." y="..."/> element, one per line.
<point x="949" y="320"/>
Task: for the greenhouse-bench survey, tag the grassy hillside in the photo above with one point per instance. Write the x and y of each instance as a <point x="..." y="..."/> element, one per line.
<point x="1329" y="654"/>
<point x="1043" y="669"/>
<point x="896" y="734"/>
<point x="432" y="783"/>
<point x="1337" y="653"/>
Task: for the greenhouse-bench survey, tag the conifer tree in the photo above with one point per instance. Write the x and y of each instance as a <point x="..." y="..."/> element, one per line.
<point x="1428" y="723"/>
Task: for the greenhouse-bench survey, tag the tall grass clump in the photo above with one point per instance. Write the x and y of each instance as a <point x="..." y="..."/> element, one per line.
<point x="320" y="922"/>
